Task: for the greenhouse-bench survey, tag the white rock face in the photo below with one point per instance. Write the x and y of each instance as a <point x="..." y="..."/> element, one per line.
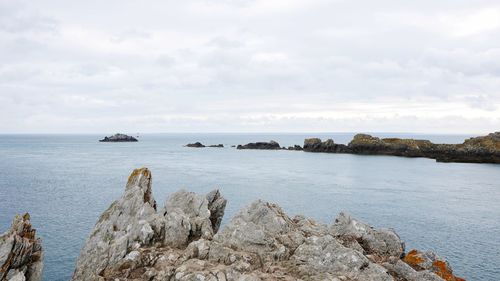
<point x="21" y="254"/>
<point x="132" y="241"/>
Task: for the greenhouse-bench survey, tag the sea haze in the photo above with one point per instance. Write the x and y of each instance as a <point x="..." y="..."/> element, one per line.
<point x="66" y="181"/>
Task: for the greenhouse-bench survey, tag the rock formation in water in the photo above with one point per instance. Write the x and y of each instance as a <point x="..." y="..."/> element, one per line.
<point x="220" y="145"/>
<point x="200" y="145"/>
<point x="271" y="145"/>
<point x="21" y="254"/>
<point x="135" y="240"/>
<point x="119" y="138"/>
<point x="195" y="145"/>
<point x="484" y="149"/>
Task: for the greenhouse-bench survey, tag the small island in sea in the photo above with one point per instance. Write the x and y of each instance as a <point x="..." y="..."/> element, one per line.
<point x="119" y="138"/>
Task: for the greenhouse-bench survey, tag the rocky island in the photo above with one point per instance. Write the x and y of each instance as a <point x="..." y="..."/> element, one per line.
<point x="119" y="138"/>
<point x="484" y="149"/>
<point x="135" y="239"/>
<point x="21" y="254"/>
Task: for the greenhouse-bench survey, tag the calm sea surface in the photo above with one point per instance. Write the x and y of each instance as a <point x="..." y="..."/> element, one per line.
<point x="66" y="181"/>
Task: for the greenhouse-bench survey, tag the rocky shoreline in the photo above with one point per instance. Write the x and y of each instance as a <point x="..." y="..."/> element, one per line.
<point x="119" y="138"/>
<point x="135" y="239"/>
<point x="21" y="253"/>
<point x="484" y="149"/>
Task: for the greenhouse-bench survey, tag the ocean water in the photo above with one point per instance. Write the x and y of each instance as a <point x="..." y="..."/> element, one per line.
<point x="66" y="181"/>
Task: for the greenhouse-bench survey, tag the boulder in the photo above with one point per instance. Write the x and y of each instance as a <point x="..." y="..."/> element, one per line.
<point x="21" y="253"/>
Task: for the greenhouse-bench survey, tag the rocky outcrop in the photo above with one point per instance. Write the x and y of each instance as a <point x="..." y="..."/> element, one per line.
<point x="271" y="145"/>
<point x="21" y="254"/>
<point x="195" y="145"/>
<point x="295" y="147"/>
<point x="484" y="149"/>
<point x="200" y="145"/>
<point x="316" y="145"/>
<point x="119" y="138"/>
<point x="182" y="241"/>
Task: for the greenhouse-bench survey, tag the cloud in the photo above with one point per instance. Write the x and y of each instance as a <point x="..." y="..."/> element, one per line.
<point x="254" y="65"/>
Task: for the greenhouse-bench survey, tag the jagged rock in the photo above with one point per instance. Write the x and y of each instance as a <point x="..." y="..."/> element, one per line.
<point x="21" y="253"/>
<point x="484" y="149"/>
<point x="196" y="145"/>
<point x="271" y="145"/>
<point x="132" y="241"/>
<point x="119" y="138"/>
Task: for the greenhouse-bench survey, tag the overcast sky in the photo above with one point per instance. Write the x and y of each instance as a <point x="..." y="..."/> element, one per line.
<point x="249" y="66"/>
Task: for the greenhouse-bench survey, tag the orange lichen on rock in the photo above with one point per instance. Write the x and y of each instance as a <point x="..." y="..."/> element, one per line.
<point x="144" y="171"/>
<point x="442" y="270"/>
<point x="414" y="259"/>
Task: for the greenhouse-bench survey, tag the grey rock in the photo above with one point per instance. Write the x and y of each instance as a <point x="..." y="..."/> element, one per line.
<point x="131" y="241"/>
<point x="384" y="243"/>
<point x="21" y="253"/>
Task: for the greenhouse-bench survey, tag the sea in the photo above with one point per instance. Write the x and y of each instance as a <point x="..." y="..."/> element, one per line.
<point x="66" y="181"/>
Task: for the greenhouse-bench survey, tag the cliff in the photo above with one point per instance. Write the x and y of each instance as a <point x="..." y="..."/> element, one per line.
<point x="135" y="240"/>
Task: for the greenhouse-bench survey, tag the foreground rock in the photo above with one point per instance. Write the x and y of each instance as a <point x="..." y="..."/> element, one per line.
<point x="484" y="149"/>
<point x="135" y="240"/>
<point x="271" y="145"/>
<point x="119" y="138"/>
<point x="21" y="254"/>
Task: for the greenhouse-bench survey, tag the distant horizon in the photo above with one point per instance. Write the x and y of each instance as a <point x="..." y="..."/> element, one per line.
<point x="249" y="133"/>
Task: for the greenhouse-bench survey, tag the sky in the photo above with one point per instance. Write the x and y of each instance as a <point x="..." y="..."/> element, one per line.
<point x="103" y="66"/>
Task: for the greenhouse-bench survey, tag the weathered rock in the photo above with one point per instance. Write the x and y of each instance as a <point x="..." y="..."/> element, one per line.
<point x="196" y="145"/>
<point x="484" y="149"/>
<point x="316" y="145"/>
<point x="21" y="254"/>
<point x="132" y="241"/>
<point x="119" y="138"/>
<point x="271" y="145"/>
<point x="429" y="261"/>
<point x="384" y="243"/>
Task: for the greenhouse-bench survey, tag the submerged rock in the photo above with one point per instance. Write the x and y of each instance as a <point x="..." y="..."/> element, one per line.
<point x="484" y="149"/>
<point x="271" y="145"/>
<point x="182" y="241"/>
<point x="119" y="138"/>
<point x="21" y="253"/>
